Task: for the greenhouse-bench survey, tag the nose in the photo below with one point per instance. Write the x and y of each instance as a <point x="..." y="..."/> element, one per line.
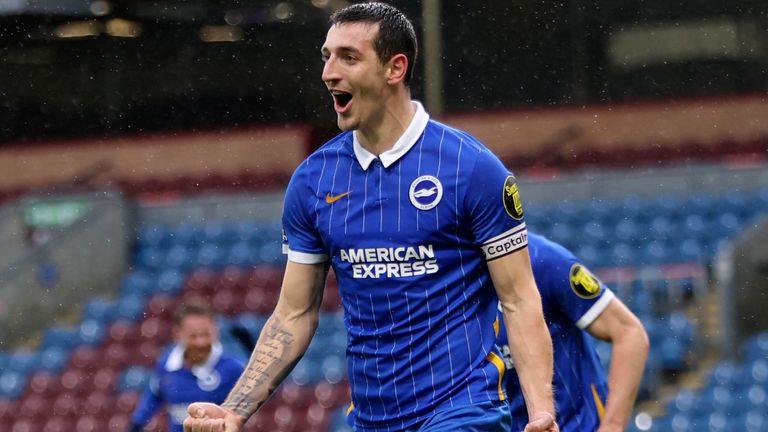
<point x="330" y="72"/>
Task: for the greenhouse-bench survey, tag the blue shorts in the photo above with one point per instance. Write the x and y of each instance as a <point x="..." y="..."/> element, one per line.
<point x="483" y="417"/>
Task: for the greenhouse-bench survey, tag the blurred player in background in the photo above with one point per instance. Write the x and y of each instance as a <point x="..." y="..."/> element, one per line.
<point x="576" y="303"/>
<point x="194" y="369"/>
<point x="424" y="227"/>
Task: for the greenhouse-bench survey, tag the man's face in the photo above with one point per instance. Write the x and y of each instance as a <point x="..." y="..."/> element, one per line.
<point x="196" y="333"/>
<point x="354" y="75"/>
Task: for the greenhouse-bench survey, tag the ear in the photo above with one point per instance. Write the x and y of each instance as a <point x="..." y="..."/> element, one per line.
<point x="396" y="68"/>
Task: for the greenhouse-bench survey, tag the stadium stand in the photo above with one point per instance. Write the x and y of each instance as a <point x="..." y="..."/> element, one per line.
<point x="90" y="374"/>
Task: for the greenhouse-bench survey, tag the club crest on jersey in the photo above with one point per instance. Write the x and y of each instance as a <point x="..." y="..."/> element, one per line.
<point x="584" y="283"/>
<point x="426" y="192"/>
<point x="511" y="198"/>
<point x="209" y="382"/>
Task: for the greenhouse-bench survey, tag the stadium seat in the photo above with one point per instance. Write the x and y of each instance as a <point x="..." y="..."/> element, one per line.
<point x="753" y="421"/>
<point x="242" y="254"/>
<point x="150" y="259"/>
<point x="103" y="380"/>
<point x="59" y="337"/>
<point x="156" y="329"/>
<point x="12" y="384"/>
<point x="22" y="361"/>
<point x="211" y="255"/>
<point x="53" y="359"/>
<point x="628" y="231"/>
<point x="147" y="353"/>
<point x="595" y="233"/>
<point x="27" y="425"/>
<point x="67" y="405"/>
<point x="43" y="383"/>
<point x="162" y="306"/>
<point x="622" y="254"/>
<point x="259" y="301"/>
<point x="307" y="371"/>
<point x="99" y="404"/>
<point x="124" y="332"/>
<point x="9" y="410"/>
<point x="317" y="417"/>
<point x="295" y="396"/>
<point x="119" y="422"/>
<point x="227" y="303"/>
<point x="330" y="395"/>
<point x="126" y="401"/>
<point x="271" y="253"/>
<point x="756" y="347"/>
<point x="285" y="418"/>
<point x="219" y="234"/>
<point x="60" y="424"/>
<point x="153" y="236"/>
<point x="117" y="355"/>
<point x="99" y="309"/>
<point x="91" y="332"/>
<point x="716" y="399"/>
<point x="35" y="406"/>
<point x="130" y="307"/>
<point x="74" y="382"/>
<point x="188" y="235"/>
<point x="249" y="231"/>
<point x="169" y="282"/>
<point x="137" y="283"/>
<point x="84" y="358"/>
<point x="334" y="368"/>
<point x="718" y="422"/>
<point x="88" y="423"/>
<point x="723" y="374"/>
<point x="759" y="371"/>
<point x="133" y="379"/>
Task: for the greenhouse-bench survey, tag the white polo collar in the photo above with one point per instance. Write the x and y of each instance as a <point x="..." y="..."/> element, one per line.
<point x="175" y="360"/>
<point x="401" y="147"/>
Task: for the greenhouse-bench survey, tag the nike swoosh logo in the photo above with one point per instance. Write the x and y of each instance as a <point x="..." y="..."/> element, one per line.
<point x="332" y="199"/>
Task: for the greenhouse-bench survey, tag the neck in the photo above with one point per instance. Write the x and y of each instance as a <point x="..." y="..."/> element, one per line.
<point x="389" y="127"/>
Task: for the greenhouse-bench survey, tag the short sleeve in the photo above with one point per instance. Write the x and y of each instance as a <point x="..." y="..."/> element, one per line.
<point x="575" y="290"/>
<point x="495" y="208"/>
<point x="301" y="240"/>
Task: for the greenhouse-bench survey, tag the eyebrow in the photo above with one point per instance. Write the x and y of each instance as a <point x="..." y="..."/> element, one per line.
<point x="341" y="49"/>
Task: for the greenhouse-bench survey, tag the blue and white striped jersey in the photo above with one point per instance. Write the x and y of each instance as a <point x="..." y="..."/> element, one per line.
<point x="408" y="234"/>
<point x="572" y="298"/>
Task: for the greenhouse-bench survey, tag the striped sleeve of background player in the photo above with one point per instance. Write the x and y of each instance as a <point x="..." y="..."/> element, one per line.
<point x="580" y="294"/>
<point x="301" y="240"/>
<point x="494" y="207"/>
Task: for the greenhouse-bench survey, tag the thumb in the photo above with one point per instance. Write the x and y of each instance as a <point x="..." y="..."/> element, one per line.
<point x="539" y="424"/>
<point x="205" y="410"/>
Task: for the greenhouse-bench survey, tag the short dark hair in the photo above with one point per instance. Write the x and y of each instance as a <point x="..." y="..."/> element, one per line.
<point x="193" y="306"/>
<point x="396" y="34"/>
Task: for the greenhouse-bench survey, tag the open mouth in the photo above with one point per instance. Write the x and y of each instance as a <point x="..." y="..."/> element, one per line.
<point x="341" y="99"/>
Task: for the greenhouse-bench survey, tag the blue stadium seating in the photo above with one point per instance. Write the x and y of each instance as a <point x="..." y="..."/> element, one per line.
<point x="135" y="378"/>
<point x="91" y="331"/>
<point x="634" y="232"/>
<point x="60" y="337"/>
<point x="100" y="310"/>
<point x="12" y="383"/>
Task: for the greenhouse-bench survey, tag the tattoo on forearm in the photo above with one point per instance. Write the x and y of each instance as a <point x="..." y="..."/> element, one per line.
<point x="270" y="363"/>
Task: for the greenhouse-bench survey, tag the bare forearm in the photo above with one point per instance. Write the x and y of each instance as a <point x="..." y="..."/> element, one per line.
<point x="627" y="363"/>
<point x="531" y="348"/>
<point x="280" y="346"/>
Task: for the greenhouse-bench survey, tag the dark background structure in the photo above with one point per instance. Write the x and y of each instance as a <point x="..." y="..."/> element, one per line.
<point x="81" y="68"/>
